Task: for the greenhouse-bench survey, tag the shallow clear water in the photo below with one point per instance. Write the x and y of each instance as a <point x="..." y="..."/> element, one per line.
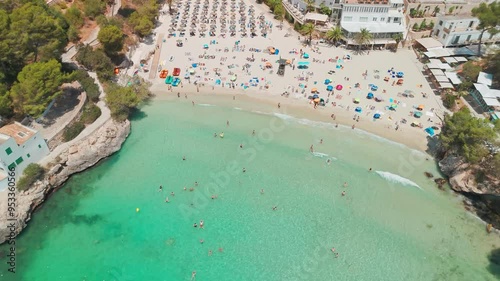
<point x="392" y="224"/>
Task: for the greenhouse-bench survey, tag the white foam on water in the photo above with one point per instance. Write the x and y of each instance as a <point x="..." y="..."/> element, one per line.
<point x="205" y="104"/>
<point x="390" y="177"/>
<point x="237" y="108"/>
<point x="319" y="124"/>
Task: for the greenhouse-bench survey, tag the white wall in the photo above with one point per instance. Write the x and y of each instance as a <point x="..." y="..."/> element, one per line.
<point x="31" y="147"/>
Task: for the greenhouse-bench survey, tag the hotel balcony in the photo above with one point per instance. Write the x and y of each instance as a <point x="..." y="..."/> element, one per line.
<point x="299" y="17"/>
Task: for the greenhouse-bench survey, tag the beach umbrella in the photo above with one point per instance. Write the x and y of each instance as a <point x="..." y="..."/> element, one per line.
<point x="327" y="81"/>
<point x="358" y="109"/>
<point x="306" y="56"/>
<point x="369" y="96"/>
<point x="417" y="114"/>
<point x="315" y="96"/>
<point x="233" y="78"/>
<point x="339" y="87"/>
<point x="316" y="100"/>
<point x="205" y="46"/>
<point x="356" y="100"/>
<point x="376" y="116"/>
<point x="191" y="70"/>
<point x="314" y="90"/>
<point x="374" y="88"/>
<point x="420" y="107"/>
<point x="329" y="88"/>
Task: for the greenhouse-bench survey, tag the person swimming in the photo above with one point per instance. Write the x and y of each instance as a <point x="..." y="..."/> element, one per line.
<point x="343" y="193"/>
<point x="161" y="188"/>
<point x="201" y="241"/>
<point x="244" y="170"/>
<point x="183" y="158"/>
<point x="221" y="135"/>
<point x="195" y="183"/>
<point x="241" y="145"/>
<point x="345" y="184"/>
<point x="262" y="191"/>
<point x="215" y="135"/>
<point x="275" y="208"/>
<point x="311" y="149"/>
<point x="333" y="250"/>
<point x="195" y="225"/>
<point x="321" y="141"/>
<point x="166" y="200"/>
<point x="202" y="223"/>
<point x="209" y="252"/>
<point x="172" y="193"/>
<point x="253" y="133"/>
<point x="370" y="169"/>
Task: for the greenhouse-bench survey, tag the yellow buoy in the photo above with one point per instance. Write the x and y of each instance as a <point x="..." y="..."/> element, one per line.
<point x="137" y="210"/>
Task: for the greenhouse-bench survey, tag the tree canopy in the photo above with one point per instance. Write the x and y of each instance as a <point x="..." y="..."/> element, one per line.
<point x="111" y="38"/>
<point x="38" y="84"/>
<point x="335" y="34"/>
<point x="467" y="135"/>
<point x="489" y="19"/>
<point x="141" y="24"/>
<point x="95" y="60"/>
<point x="121" y="100"/>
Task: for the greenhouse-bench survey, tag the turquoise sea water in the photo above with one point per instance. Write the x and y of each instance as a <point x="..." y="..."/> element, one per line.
<point x="392" y="224"/>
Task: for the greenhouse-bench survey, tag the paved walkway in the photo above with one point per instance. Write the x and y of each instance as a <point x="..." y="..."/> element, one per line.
<point x="156" y="58"/>
<point x="105" y="116"/>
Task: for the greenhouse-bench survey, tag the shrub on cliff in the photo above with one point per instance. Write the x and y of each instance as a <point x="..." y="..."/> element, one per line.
<point x="73" y="130"/>
<point x="467" y="135"/>
<point x="31" y="174"/>
<point x="90" y="113"/>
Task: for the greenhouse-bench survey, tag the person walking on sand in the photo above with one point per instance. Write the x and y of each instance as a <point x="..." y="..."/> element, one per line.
<point x="279" y="105"/>
<point x="192" y="103"/>
<point x="311" y="149"/>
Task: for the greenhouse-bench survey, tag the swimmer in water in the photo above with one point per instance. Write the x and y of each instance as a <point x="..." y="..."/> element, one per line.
<point x="195" y="183"/>
<point x="195" y="225"/>
<point x="333" y="250"/>
<point x="215" y="135"/>
<point x="213" y="197"/>
<point x="221" y="249"/>
<point x="253" y="133"/>
<point x="328" y="161"/>
<point x="321" y="141"/>
<point x="343" y="193"/>
<point x="161" y="188"/>
<point x="191" y="189"/>
<point x="172" y="193"/>
<point x="183" y="158"/>
<point x="166" y="200"/>
<point x="192" y="103"/>
<point x="244" y="170"/>
<point x="336" y="255"/>
<point x="241" y="145"/>
<point x="311" y="149"/>
<point x="370" y="169"/>
<point x="345" y="184"/>
<point x="275" y="208"/>
<point x="336" y="125"/>
<point x="201" y="241"/>
<point x="209" y="252"/>
<point x="202" y="223"/>
<point x="227" y="123"/>
<point x="185" y="188"/>
<point x="262" y="191"/>
<point x="193" y="274"/>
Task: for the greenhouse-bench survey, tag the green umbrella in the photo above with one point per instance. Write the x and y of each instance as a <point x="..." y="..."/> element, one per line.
<point x="418" y="114"/>
<point x="394" y="105"/>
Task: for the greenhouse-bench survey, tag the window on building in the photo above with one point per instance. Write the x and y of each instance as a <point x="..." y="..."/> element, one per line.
<point x="19" y="160"/>
<point x="468" y="38"/>
<point x="437" y="32"/>
<point x="363" y="19"/>
<point x="28" y="155"/>
<point x="347" y="18"/>
<point x="444" y="35"/>
<point x="382" y="19"/>
<point x="471" y="24"/>
<point x="397" y="20"/>
<point x="374" y="19"/>
<point x="8" y="151"/>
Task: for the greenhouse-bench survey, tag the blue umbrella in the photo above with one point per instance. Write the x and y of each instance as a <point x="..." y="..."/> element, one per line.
<point x="369" y="96"/>
<point x="358" y="109"/>
<point x="376" y="116"/>
<point x="306" y="56"/>
<point x="400" y="74"/>
<point x="430" y="131"/>
<point x="329" y="88"/>
<point x="374" y="88"/>
<point x="315" y="96"/>
<point x="327" y="81"/>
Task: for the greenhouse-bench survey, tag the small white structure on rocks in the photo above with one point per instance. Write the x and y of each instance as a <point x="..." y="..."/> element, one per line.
<point x="19" y="147"/>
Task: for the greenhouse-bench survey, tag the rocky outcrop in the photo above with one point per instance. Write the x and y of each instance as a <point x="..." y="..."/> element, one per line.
<point x="483" y="198"/>
<point x="100" y="144"/>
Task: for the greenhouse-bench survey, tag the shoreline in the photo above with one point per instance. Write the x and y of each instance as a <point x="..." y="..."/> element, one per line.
<point x="297" y="108"/>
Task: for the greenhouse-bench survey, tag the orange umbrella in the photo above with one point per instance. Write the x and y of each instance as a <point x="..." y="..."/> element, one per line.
<point x="314" y="90"/>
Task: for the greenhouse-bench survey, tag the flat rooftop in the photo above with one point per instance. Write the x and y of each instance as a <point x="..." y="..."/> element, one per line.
<point x="18" y="132"/>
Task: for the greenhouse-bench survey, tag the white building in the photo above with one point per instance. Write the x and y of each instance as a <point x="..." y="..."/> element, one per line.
<point x="383" y="18"/>
<point x="460" y="30"/>
<point x="19" y="147"/>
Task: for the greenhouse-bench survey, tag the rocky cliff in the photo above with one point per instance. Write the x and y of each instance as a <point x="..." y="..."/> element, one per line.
<point x="98" y="145"/>
<point x="483" y="198"/>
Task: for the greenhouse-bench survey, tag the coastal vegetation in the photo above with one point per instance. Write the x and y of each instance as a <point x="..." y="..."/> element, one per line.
<point x="122" y="100"/>
<point x="31" y="174"/>
<point x="489" y="19"/>
<point x="363" y="37"/>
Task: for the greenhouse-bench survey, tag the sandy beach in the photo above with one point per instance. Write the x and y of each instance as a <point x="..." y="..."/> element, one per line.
<point x="243" y="67"/>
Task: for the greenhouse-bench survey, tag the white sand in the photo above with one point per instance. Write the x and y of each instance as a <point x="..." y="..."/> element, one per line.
<point x="297" y="103"/>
